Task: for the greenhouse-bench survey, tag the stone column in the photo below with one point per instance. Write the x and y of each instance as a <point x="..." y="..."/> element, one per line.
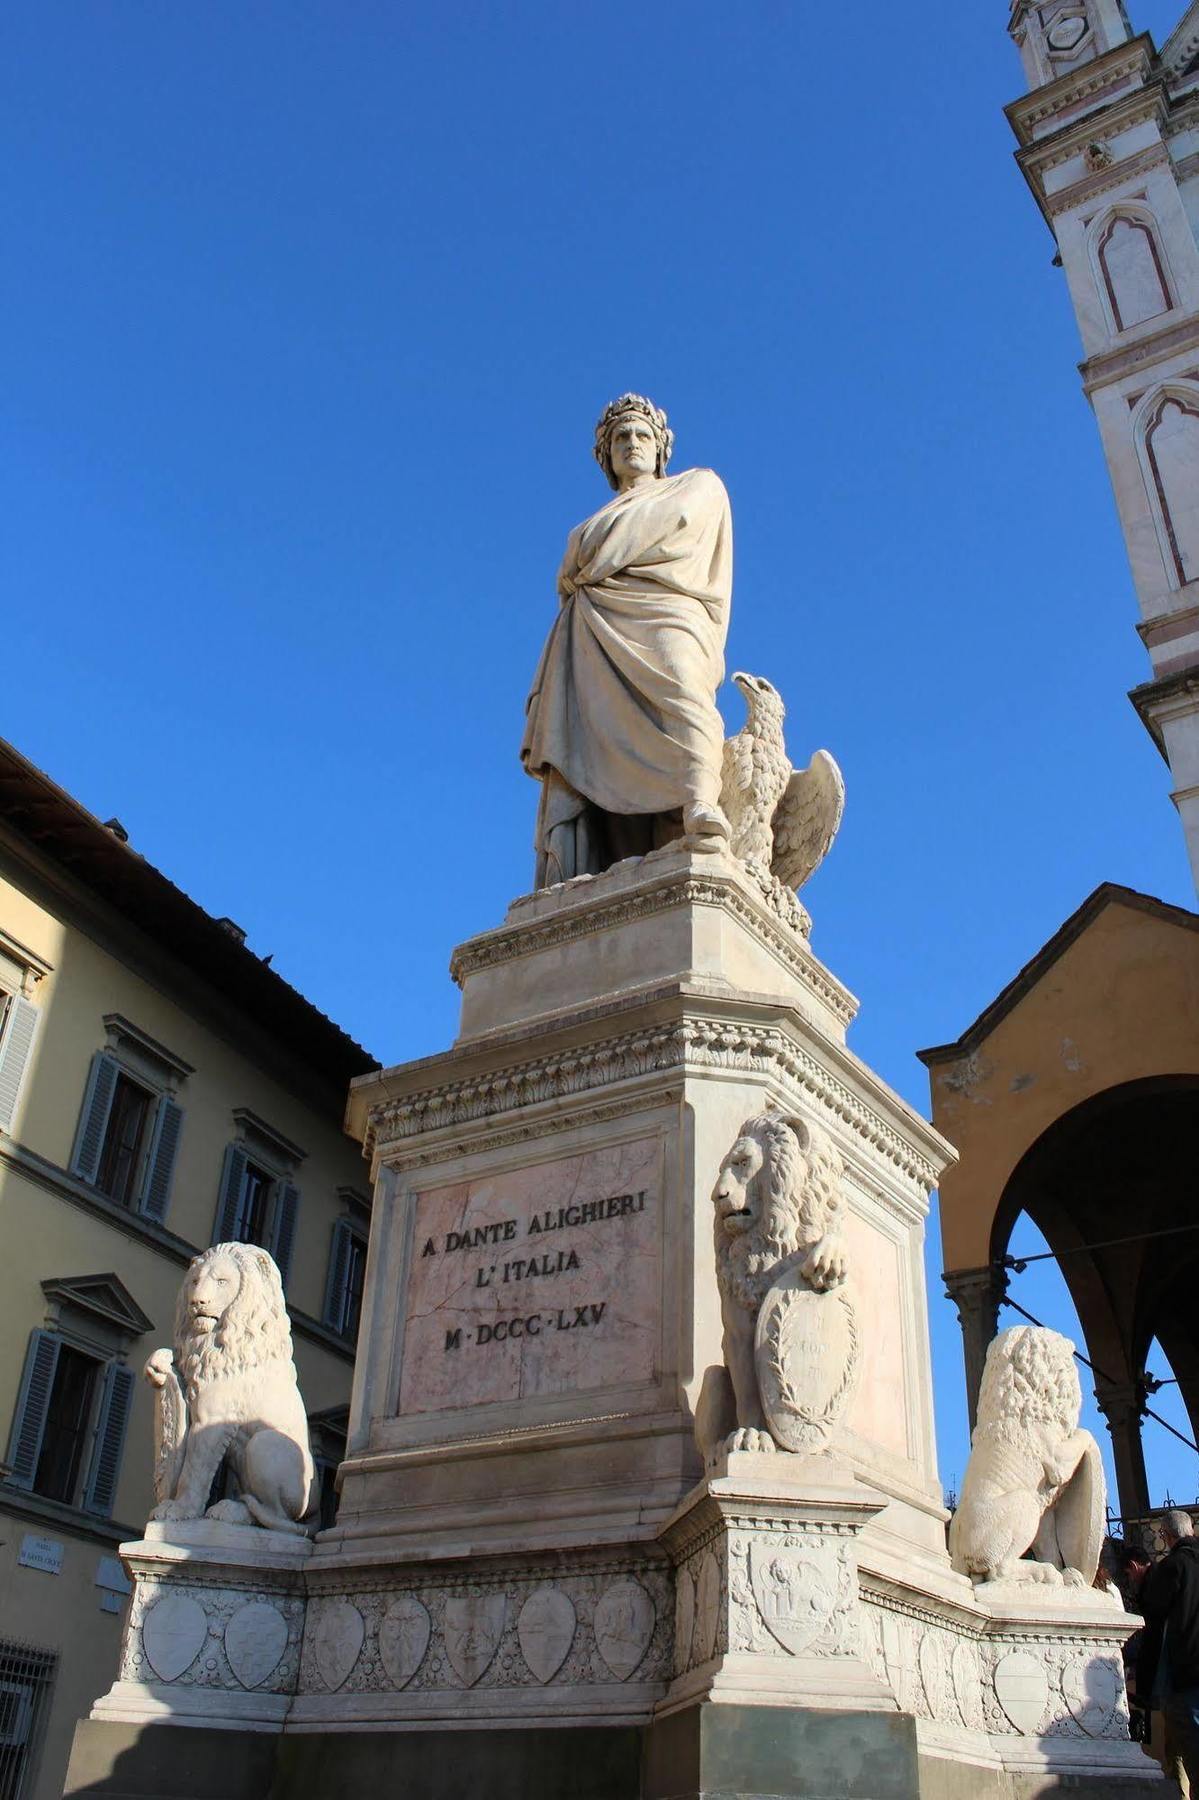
<point x="1122" y="1404"/>
<point x="977" y="1294"/>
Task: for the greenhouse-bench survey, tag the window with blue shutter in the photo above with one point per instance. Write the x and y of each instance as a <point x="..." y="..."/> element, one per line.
<point x="16" y="1044"/>
<point x="33" y="1403"/>
<point x="116" y="1399"/>
<point x="283" y="1234"/>
<point x="225" y="1229"/>
<point x="93" y="1120"/>
<point x="160" y="1163"/>
<point x="335" y="1283"/>
<point x="343" y="1287"/>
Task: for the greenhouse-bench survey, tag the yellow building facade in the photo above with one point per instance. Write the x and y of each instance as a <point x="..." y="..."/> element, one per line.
<point x="161" y="1088"/>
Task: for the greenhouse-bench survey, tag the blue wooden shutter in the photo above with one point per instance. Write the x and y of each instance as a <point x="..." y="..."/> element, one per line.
<point x="100" y="1489"/>
<point x="15" y="1046"/>
<point x="160" y="1165"/>
<point x="33" y="1403"/>
<point x="93" y="1120"/>
<point x="336" y="1285"/>
<point x="283" y="1236"/>
<point x="228" y="1206"/>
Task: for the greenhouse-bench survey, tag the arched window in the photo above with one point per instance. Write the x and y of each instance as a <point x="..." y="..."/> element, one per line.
<point x="1129" y="264"/>
<point x="1166" y="429"/>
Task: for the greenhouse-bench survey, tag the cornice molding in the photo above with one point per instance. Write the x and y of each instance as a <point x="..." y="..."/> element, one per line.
<point x="510" y="941"/>
<point x="1097" y="78"/>
<point x="1081" y="193"/>
<point x="66" y="1187"/>
<point x="690" y="1045"/>
<point x="1052" y="152"/>
<point x="1109" y="366"/>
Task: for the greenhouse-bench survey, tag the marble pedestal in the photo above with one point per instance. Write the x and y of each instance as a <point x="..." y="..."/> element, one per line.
<point x="539" y="1582"/>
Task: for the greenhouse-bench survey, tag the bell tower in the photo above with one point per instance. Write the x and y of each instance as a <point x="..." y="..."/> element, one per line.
<point x="1109" y="152"/>
<point x="1058" y="37"/>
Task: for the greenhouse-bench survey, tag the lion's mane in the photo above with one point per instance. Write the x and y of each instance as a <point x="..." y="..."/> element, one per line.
<point x="253" y="1329"/>
<point x="1029" y="1379"/>
<point x="796" y="1194"/>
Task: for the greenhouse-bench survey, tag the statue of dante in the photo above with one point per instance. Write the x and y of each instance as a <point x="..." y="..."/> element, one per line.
<point x="622" y="729"/>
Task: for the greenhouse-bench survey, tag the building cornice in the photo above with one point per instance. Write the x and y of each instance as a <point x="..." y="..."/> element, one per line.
<point x="1115" y="365"/>
<point x="1104" y="75"/>
<point x="700" y="1041"/>
<point x="63" y="1186"/>
<point x="1153" y="698"/>
<point x="35" y="1509"/>
<point x="45" y="819"/>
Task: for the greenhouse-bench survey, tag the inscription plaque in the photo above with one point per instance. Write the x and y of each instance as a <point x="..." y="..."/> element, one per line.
<point x="544" y="1280"/>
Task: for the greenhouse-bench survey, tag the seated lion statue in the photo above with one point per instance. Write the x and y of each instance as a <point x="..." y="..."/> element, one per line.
<point x="1034" y="1481"/>
<point x="779" y="1208"/>
<point x="229" y="1390"/>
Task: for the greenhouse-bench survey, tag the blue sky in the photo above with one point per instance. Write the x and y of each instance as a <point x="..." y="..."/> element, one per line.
<point x="309" y="312"/>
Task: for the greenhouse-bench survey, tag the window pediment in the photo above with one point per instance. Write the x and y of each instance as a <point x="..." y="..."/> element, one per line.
<point x="105" y="1297"/>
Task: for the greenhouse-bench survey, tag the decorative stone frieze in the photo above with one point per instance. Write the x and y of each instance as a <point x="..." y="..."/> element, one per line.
<point x="695" y="1043"/>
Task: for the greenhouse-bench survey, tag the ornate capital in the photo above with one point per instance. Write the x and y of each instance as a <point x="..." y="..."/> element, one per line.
<point x="976" y="1291"/>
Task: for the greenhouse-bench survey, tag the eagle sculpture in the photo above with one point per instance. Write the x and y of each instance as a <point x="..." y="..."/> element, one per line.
<point x="781" y="820"/>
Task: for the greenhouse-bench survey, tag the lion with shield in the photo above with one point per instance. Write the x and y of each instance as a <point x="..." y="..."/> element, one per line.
<point x="790" y="1330"/>
<point x="229" y="1390"/>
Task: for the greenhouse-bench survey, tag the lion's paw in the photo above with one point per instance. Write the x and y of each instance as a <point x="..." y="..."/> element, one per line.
<point x="230" y="1512"/>
<point x="749" y="1438"/>
<point x="1074" y="1578"/>
<point x="172" y="1510"/>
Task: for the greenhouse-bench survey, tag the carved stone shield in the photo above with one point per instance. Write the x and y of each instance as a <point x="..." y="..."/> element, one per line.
<point x="255" y="1639"/>
<point x="173" y="1634"/>
<point x="807" y="1355"/>
<point x="474" y="1625"/>
<point x="340" y="1632"/>
<point x="1022" y="1689"/>
<point x="795" y="1595"/>
<point x="546" y="1629"/>
<point x="624" y="1625"/>
<point x="1092" y="1688"/>
<point x="404" y="1638"/>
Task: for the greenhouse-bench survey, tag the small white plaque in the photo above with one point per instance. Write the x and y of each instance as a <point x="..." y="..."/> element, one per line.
<point x="110" y="1575"/>
<point x="40" y="1553"/>
<point x="113" y="1603"/>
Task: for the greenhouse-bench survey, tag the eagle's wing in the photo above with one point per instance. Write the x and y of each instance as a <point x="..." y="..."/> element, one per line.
<point x="736" y="777"/>
<point x="806" y="819"/>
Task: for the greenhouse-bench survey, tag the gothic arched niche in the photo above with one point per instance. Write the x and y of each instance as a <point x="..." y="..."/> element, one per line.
<point x="1130" y="266"/>
<point x="1167" y="432"/>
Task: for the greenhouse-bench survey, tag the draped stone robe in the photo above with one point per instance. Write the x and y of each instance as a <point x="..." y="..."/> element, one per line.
<point x="622" y="728"/>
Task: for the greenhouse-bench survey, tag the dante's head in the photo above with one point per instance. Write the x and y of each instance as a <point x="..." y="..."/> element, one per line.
<point x="632" y="431"/>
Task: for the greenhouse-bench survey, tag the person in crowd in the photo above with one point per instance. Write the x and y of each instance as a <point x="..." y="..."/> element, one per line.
<point x="1167" y="1669"/>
